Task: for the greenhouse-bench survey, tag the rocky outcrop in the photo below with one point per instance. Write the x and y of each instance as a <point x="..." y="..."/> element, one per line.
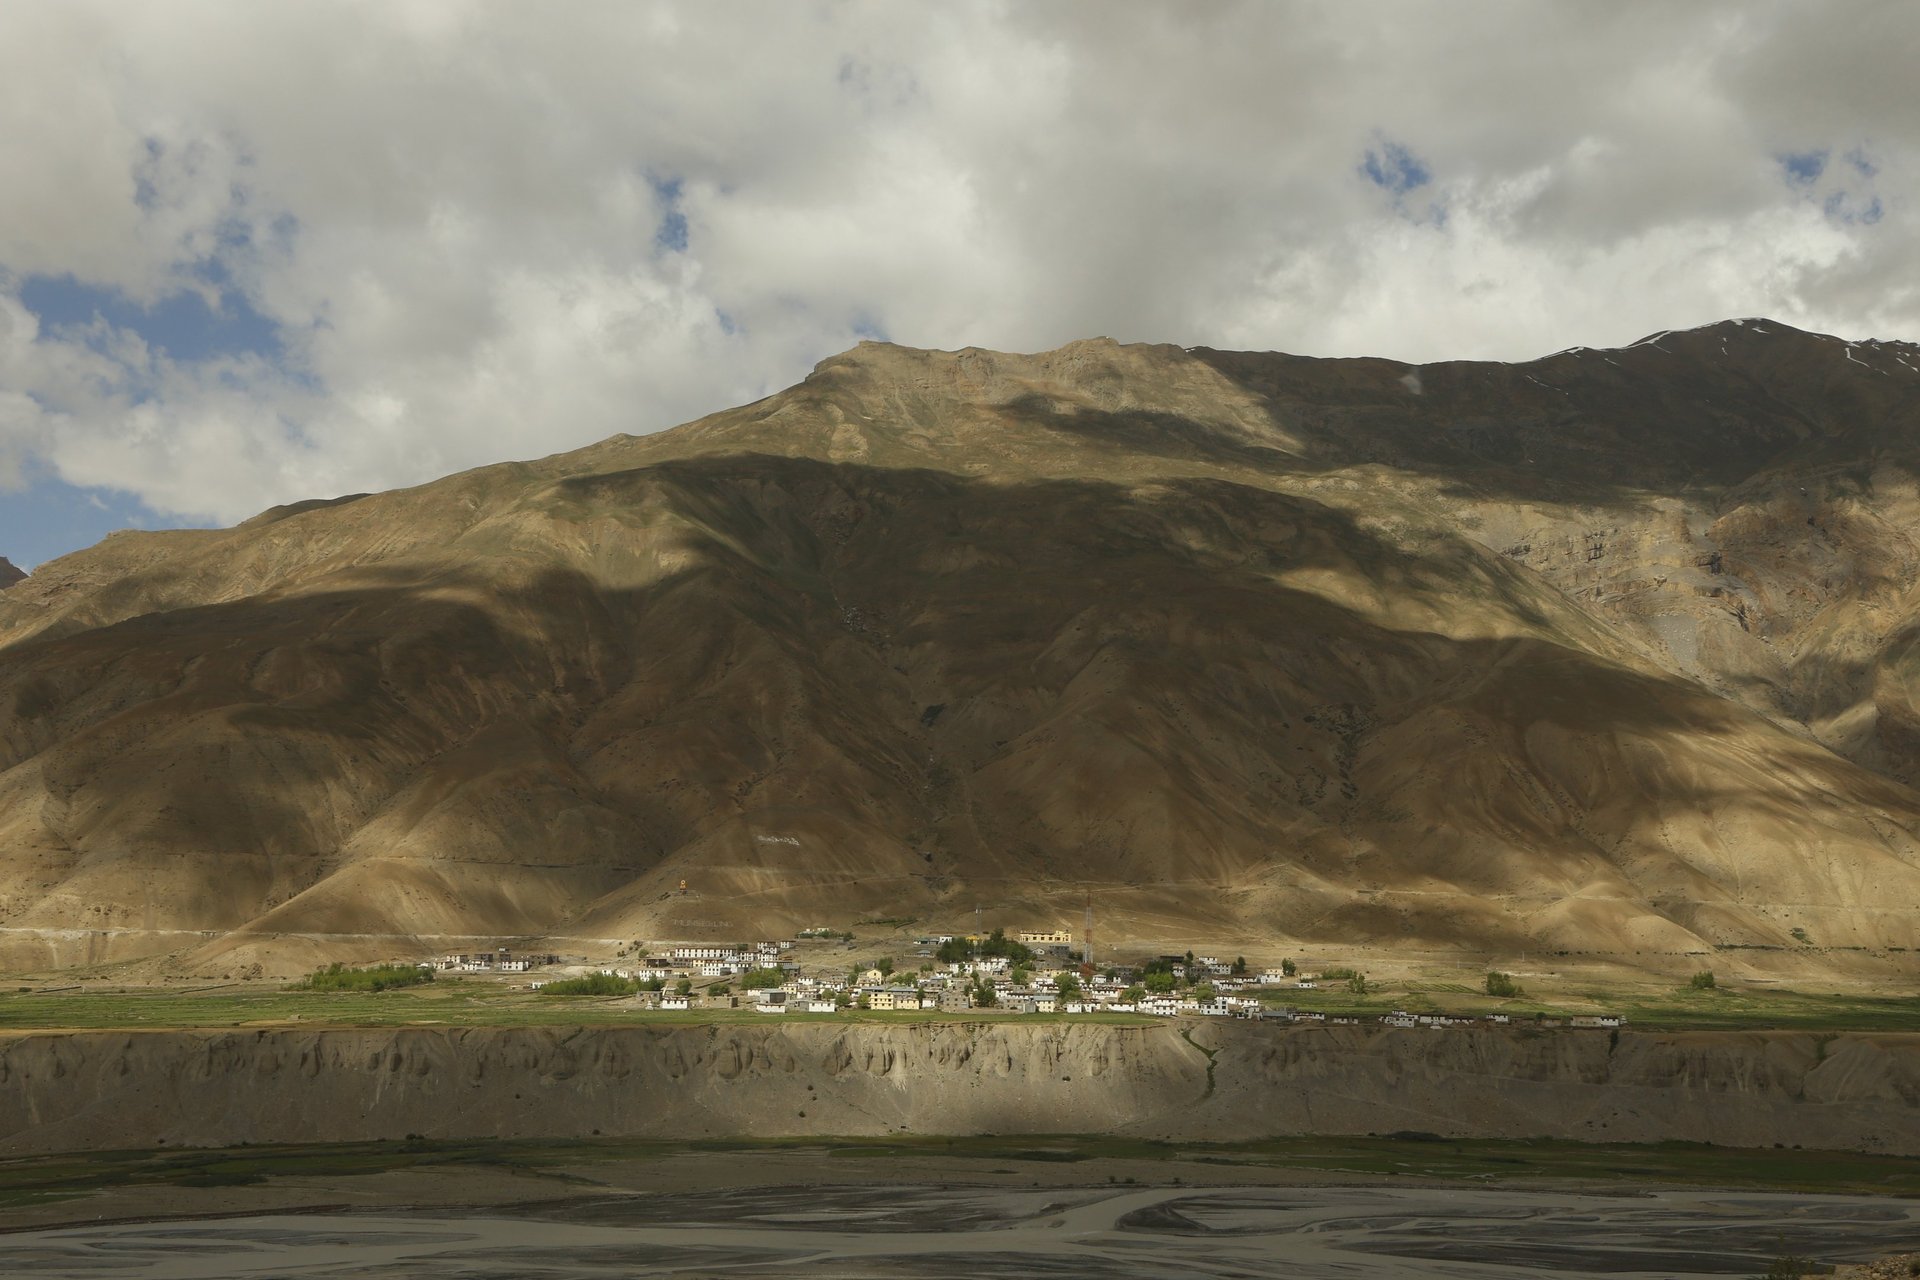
<point x="9" y="573"/>
<point x="98" y="1090"/>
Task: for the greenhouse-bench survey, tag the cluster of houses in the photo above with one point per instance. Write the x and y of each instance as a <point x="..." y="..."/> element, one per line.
<point x="703" y="975"/>
<point x="1053" y="982"/>
<point x="499" y="960"/>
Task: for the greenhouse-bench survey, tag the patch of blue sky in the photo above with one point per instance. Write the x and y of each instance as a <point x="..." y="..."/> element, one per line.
<point x="1396" y="170"/>
<point x="1862" y="165"/>
<point x="1392" y="167"/>
<point x="671" y="237"/>
<point x="728" y="325"/>
<point x="50" y="518"/>
<point x="869" y="329"/>
<point x="1843" y="206"/>
<point x="1803" y="168"/>
<point x="182" y="324"/>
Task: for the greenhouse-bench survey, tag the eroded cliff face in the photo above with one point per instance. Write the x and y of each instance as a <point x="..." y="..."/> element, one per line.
<point x="108" y="1090"/>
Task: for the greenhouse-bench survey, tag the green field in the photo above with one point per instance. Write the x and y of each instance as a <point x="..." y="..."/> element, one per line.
<point x="1678" y="1008"/>
<point x="449" y="1002"/>
<point x="44" y="1179"/>
<point x="458" y="1002"/>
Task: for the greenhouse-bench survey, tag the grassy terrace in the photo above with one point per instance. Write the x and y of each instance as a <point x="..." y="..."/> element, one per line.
<point x="476" y="1003"/>
<point x="1646" y="1009"/>
<point x="443" y="1003"/>
<point x="43" y="1179"/>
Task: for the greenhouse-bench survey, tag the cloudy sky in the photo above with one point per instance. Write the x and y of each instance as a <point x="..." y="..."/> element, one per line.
<point x="256" y="252"/>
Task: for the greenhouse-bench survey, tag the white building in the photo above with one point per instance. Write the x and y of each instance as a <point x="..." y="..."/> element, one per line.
<point x="690" y="954"/>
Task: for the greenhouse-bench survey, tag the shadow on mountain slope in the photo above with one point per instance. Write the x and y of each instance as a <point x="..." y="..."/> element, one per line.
<point x="813" y="689"/>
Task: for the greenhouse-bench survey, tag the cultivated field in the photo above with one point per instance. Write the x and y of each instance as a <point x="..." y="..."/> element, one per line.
<point x="487" y="1002"/>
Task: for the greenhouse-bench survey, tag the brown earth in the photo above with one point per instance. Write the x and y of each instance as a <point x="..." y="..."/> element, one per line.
<point x="9" y="573"/>
<point x="1228" y="1081"/>
<point x="1612" y="653"/>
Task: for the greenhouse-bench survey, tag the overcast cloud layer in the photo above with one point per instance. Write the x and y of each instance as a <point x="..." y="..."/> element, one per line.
<point x="256" y="252"/>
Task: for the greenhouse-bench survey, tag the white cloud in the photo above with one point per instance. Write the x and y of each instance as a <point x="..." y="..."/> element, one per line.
<point x="454" y="212"/>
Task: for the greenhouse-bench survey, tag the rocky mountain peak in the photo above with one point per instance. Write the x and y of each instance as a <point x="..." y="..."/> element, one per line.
<point x="9" y="573"/>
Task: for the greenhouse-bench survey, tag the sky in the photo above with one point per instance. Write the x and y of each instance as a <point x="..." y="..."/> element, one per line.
<point x="252" y="253"/>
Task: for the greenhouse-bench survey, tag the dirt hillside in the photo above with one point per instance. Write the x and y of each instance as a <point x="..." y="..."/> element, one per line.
<point x="1612" y="653"/>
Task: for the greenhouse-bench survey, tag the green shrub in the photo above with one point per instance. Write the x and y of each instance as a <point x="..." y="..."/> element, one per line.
<point x="1502" y="985"/>
<point x="761" y="979"/>
<point x="383" y="977"/>
<point x="1702" y="981"/>
<point x="594" y="984"/>
<point x="955" y="950"/>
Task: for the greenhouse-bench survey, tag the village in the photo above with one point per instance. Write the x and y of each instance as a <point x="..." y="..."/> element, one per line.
<point x="1032" y="972"/>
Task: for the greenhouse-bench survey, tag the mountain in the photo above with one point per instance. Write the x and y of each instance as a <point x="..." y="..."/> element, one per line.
<point x="8" y="573"/>
<point x="1614" y="653"/>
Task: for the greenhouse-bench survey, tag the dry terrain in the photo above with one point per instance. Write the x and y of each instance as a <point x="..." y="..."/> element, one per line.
<point x="1612" y="654"/>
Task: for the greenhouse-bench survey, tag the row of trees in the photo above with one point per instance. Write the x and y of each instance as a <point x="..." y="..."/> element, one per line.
<point x="995" y="944"/>
<point x="380" y="977"/>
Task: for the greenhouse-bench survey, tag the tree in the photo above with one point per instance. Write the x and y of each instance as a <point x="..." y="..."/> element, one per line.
<point x="762" y="979"/>
<point x="1069" y="986"/>
<point x="719" y="989"/>
<point x="998" y="944"/>
<point x="1133" y="994"/>
<point x="683" y="987"/>
<point x="1021" y="977"/>
<point x="1702" y="981"/>
<point x="1357" y="984"/>
<point x="1502" y="984"/>
<point x="884" y="964"/>
<point x="1289" y="968"/>
<point x="1239" y="967"/>
<point x="1160" y="982"/>
<point x="1204" y="993"/>
<point x="984" y="994"/>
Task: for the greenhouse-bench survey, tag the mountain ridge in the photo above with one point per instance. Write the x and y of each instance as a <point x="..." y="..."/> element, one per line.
<point x="1240" y="644"/>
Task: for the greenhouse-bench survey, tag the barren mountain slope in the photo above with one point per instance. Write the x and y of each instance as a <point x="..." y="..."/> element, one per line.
<point x="1243" y="646"/>
<point x="9" y="574"/>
